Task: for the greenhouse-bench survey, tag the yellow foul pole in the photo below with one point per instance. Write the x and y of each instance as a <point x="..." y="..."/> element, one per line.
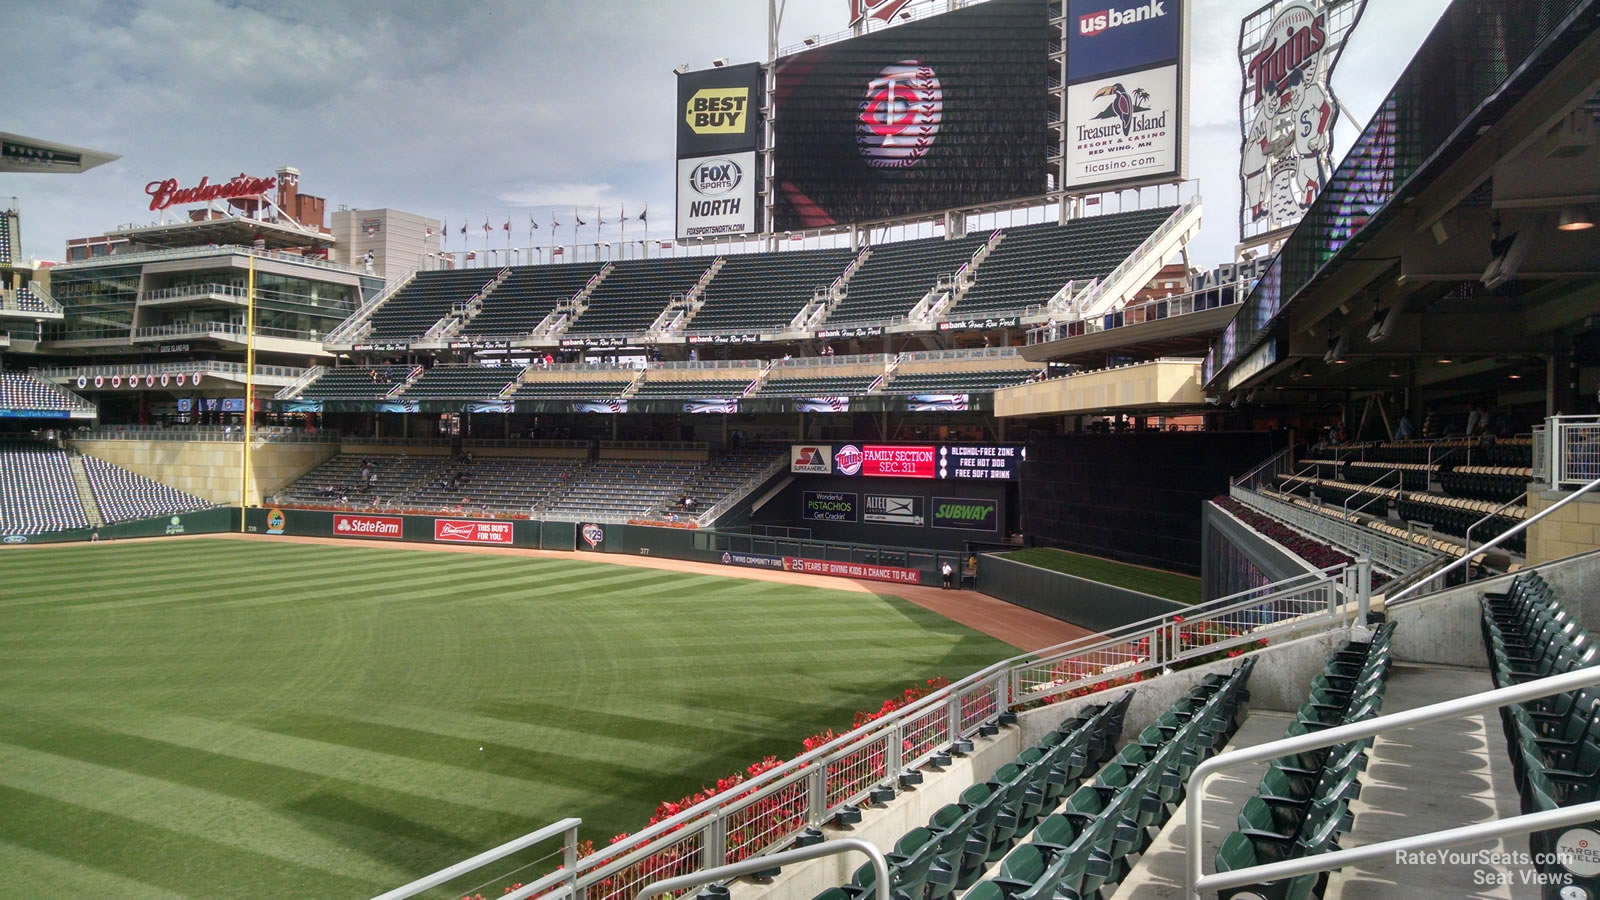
<point x="249" y="391"/>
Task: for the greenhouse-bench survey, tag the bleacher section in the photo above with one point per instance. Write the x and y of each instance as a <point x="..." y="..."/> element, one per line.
<point x="123" y="495"/>
<point x="462" y="382"/>
<point x="494" y="484"/>
<point x="37" y="492"/>
<point x="529" y="294"/>
<point x="22" y="391"/>
<point x="1476" y="479"/>
<point x="818" y="386"/>
<point x="338" y="480"/>
<point x="1034" y="261"/>
<point x="1530" y="633"/>
<point x="541" y="384"/>
<point x="973" y="382"/>
<point x="762" y="292"/>
<point x="896" y="276"/>
<point x="617" y="490"/>
<point x="709" y="388"/>
<point x="721" y="477"/>
<point x="421" y="304"/>
<point x="1042" y="827"/>
<point x="355" y="383"/>
<point x="1302" y="803"/>
<point x="635" y="293"/>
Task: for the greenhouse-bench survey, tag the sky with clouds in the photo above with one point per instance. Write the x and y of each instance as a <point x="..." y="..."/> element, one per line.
<point x="468" y="112"/>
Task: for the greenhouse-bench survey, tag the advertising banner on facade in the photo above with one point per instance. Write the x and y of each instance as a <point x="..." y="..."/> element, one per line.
<point x="472" y="531"/>
<point x="717" y="195"/>
<point x="753" y="560"/>
<point x="1124" y="128"/>
<point x="391" y="527"/>
<point x="966" y="513"/>
<point x="811" y="459"/>
<point x="719" y="110"/>
<point x="852" y="570"/>
<point x="893" y="510"/>
<point x="991" y="462"/>
<point x="829" y="506"/>
<point x="1109" y="37"/>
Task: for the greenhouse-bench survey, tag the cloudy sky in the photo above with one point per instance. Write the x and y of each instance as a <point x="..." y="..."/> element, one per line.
<point x="478" y="111"/>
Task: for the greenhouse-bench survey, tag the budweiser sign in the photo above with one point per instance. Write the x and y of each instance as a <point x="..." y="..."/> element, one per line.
<point x="167" y="193"/>
<point x="471" y="531"/>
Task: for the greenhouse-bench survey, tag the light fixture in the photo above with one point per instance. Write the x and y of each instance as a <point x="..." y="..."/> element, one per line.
<point x="811" y="40"/>
<point x="1575" y="218"/>
<point x="719" y="62"/>
<point x="1514" y="376"/>
<point x="1444" y="361"/>
<point x="680" y="68"/>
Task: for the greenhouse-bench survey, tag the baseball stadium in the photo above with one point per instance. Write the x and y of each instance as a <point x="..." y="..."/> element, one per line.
<point x="932" y="515"/>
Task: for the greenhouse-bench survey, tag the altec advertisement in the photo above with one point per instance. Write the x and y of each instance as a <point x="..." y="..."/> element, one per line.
<point x="1126" y="84"/>
<point x="390" y="527"/>
<point x="852" y="570"/>
<point x="471" y="531"/>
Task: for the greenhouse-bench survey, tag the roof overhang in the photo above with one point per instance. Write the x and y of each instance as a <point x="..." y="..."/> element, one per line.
<point x="26" y="154"/>
<point x="225" y="230"/>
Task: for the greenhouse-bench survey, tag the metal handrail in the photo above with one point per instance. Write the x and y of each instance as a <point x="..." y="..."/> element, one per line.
<point x="1518" y="528"/>
<point x="1400" y="488"/>
<point x="746" y="488"/>
<point x="1489" y="515"/>
<point x="569" y="827"/>
<point x="1195" y="880"/>
<point x="880" y="867"/>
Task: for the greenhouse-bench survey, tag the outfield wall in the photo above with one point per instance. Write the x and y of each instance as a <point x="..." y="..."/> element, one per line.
<point x="898" y="565"/>
<point x="205" y="521"/>
<point x="1089" y="604"/>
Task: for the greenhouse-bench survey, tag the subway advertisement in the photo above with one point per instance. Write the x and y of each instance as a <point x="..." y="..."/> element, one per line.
<point x="944" y="112"/>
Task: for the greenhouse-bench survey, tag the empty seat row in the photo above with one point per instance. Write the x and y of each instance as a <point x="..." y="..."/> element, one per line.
<point x="819" y="386"/>
<point x="980" y="381"/>
<point x="465" y="382"/>
<point x="896" y="276"/>
<point x="37" y="491"/>
<point x="1302" y="803"/>
<point x="123" y="495"/>
<point x="529" y="293"/>
<point x="355" y="383"/>
<point x="704" y="387"/>
<point x="763" y="292"/>
<point x="429" y="297"/>
<point x="1554" y="742"/>
<point x="635" y="292"/>
<point x="1031" y="263"/>
<point x="23" y="391"/>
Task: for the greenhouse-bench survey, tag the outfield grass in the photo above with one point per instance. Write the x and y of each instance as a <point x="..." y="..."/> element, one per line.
<point x="244" y="718"/>
<point x="1171" y="585"/>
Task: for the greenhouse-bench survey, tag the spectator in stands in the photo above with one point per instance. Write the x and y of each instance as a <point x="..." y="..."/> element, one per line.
<point x="1477" y="419"/>
<point x="948" y="572"/>
<point x="1404" y="432"/>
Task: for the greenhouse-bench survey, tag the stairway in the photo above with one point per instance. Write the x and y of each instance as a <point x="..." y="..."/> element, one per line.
<point x="80" y="477"/>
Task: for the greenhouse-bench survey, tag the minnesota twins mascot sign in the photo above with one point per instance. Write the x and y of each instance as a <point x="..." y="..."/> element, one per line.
<point x="1287" y="109"/>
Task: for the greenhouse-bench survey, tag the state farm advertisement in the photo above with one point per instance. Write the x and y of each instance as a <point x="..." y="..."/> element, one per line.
<point x="367" y="526"/>
<point x="851" y="570"/>
<point x="471" y="531"/>
<point x="898" y="461"/>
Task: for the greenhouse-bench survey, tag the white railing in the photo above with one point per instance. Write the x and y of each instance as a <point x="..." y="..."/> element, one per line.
<point x="200" y="252"/>
<point x="204" y="329"/>
<point x="748" y="487"/>
<point x="76" y="403"/>
<point x="856" y="359"/>
<point x="173" y="368"/>
<point x="708" y="364"/>
<point x="293" y="390"/>
<point x="1088" y="302"/>
<point x="770" y="810"/>
<point x="354" y="327"/>
<point x="42" y="294"/>
<point x="1573" y="446"/>
<point x="958" y="355"/>
<point x="1197" y="882"/>
<point x="1392" y="555"/>
<point x="1150" y="311"/>
<point x="566" y="829"/>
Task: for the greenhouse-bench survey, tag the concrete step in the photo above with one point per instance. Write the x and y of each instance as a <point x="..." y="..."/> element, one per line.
<point x="1429" y="778"/>
<point x="1159" y="872"/>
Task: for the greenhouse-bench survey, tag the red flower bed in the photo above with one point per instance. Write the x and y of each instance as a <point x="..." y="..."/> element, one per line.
<point x="1312" y="551"/>
<point x="750" y="828"/>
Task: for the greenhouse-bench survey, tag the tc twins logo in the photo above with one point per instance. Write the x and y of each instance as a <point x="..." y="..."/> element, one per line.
<point x="899" y="118"/>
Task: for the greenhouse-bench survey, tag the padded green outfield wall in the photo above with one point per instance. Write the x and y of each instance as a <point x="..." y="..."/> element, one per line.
<point x="205" y="521"/>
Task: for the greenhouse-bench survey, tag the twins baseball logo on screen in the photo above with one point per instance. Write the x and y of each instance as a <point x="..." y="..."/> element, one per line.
<point x="848" y="459"/>
<point x="899" y="117"/>
<point x="593" y="535"/>
<point x="882" y="10"/>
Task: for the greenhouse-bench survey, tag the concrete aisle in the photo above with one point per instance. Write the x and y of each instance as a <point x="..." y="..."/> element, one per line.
<point x="1159" y="873"/>
<point x="1429" y="778"/>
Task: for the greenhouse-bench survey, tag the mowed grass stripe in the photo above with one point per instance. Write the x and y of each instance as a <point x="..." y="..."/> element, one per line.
<point x="340" y="695"/>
